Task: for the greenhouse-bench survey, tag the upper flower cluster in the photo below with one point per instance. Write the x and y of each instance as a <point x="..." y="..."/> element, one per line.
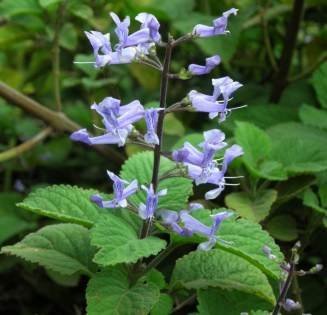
<point x="129" y="46"/>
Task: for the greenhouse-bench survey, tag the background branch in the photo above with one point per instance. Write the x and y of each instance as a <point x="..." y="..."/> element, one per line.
<point x="26" y="146"/>
<point x="288" y="49"/>
<point x="58" y="121"/>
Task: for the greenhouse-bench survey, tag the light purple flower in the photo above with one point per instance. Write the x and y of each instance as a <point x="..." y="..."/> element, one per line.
<point x="122" y="32"/>
<point x="193" y="206"/>
<point x="218" y="27"/>
<point x="217" y="177"/>
<point x="117" y="120"/>
<point x="289" y="305"/>
<point x="172" y="219"/>
<point x="146" y="211"/>
<point x="151" y="119"/>
<point x="150" y="22"/>
<point x="121" y="193"/>
<point x="223" y="87"/>
<point x="200" y="165"/>
<point x="195" y="226"/>
<point x="211" y="63"/>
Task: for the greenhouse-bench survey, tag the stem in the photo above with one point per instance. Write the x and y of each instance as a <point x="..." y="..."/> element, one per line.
<point x="159" y="258"/>
<point x="287" y="284"/>
<point x="187" y="301"/>
<point x="288" y="49"/>
<point x="58" y="121"/>
<point x="56" y="56"/>
<point x="310" y="68"/>
<point x="157" y="149"/>
<point x="26" y="146"/>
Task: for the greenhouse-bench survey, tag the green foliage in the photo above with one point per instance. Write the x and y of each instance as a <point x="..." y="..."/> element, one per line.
<point x="306" y="148"/>
<point x="12" y="221"/>
<point x="246" y="239"/>
<point x="65" y="203"/>
<point x="255" y="209"/>
<point x="119" y="242"/>
<point x="217" y="268"/>
<point x="10" y="8"/>
<point x="257" y="152"/>
<point x="214" y="301"/>
<point x="64" y="248"/>
<point x="313" y="117"/>
<point x="109" y="293"/>
<point x="276" y="227"/>
<point x="319" y="82"/>
<point x="164" y="306"/>
<point x="139" y="167"/>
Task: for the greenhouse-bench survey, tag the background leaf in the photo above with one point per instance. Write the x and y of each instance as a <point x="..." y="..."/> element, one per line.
<point x="255" y="209"/>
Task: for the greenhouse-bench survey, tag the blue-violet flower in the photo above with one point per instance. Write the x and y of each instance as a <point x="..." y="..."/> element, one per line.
<point x="121" y="193"/>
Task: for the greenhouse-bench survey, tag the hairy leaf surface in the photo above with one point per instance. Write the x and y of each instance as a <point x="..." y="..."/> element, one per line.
<point x="218" y="268"/>
<point x="64" y="248"/>
<point x="119" y="242"/>
<point x="65" y="203"/>
<point x="109" y="293"/>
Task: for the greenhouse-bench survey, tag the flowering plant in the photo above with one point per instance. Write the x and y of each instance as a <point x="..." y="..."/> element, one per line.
<point x="121" y="241"/>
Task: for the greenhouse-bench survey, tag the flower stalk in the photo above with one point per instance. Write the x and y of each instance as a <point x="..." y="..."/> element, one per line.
<point x="157" y="149"/>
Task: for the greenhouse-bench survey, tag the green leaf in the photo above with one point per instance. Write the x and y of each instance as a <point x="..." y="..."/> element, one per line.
<point x="283" y="228"/>
<point x="218" y="268"/>
<point x="65" y="203"/>
<point x="139" y="167"/>
<point x="319" y="83"/>
<point x="109" y="293"/>
<point x="261" y="115"/>
<point x="254" y="209"/>
<point x="10" y="34"/>
<point x="311" y="200"/>
<point x="82" y="11"/>
<point x="257" y="149"/>
<point x="9" y="8"/>
<point x="47" y="3"/>
<point x="11" y="220"/>
<point x="64" y="248"/>
<point x="247" y="240"/>
<point x="119" y="242"/>
<point x="312" y="116"/>
<point x="215" y="301"/>
<point x="68" y="36"/>
<point x="173" y="126"/>
<point x="300" y="148"/>
<point x="164" y="306"/>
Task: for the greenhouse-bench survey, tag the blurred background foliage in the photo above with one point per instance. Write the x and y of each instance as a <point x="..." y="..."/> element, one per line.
<point x="283" y="130"/>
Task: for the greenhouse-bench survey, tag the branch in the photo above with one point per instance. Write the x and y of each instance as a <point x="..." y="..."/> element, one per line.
<point x="288" y="49"/>
<point x="310" y="69"/>
<point x="26" y="146"/>
<point x="267" y="41"/>
<point x="58" y="121"/>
